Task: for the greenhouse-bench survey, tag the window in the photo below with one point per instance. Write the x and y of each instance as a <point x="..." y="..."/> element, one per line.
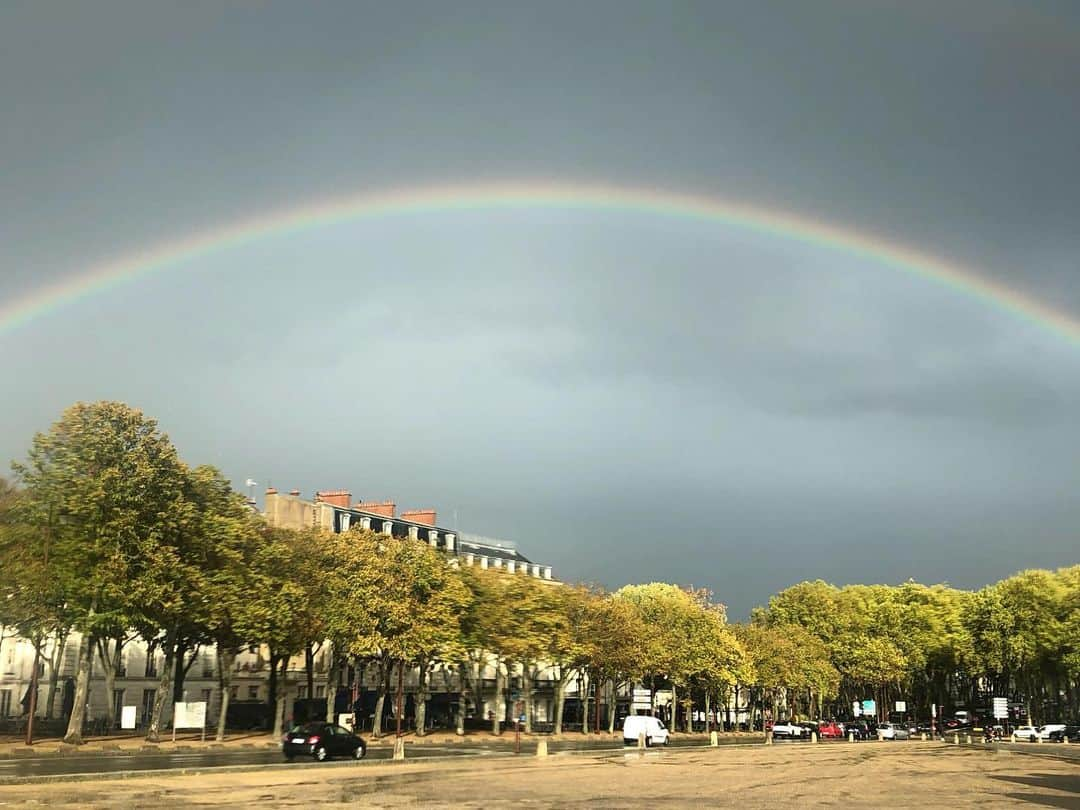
<point x="301" y="693"/>
<point x="5" y="703"/>
<point x="151" y="664"/>
<point x="147" y="705"/>
<point x="205" y="697"/>
<point x="253" y="693"/>
<point x="207" y="666"/>
<point x="234" y="692"/>
<point x="320" y="691"/>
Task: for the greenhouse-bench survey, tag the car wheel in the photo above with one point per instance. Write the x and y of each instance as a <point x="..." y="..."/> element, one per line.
<point x="360" y="752"/>
<point x="648" y="742"/>
<point x="320" y="753"/>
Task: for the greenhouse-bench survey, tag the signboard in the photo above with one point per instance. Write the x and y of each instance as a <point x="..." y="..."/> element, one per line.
<point x="345" y="721"/>
<point x="189" y="715"/>
<point x="933" y="710"/>
<point x="128" y="716"/>
<point x="901" y="706"/>
<point x="663" y="697"/>
<point x="1001" y="708"/>
<point x="869" y="708"/>
<point x="856" y="708"/>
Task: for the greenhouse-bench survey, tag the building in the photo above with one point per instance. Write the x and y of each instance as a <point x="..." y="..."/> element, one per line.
<point x="335" y="511"/>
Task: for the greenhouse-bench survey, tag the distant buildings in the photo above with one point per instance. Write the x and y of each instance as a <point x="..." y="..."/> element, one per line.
<point x="335" y="511"/>
<point x="140" y="663"/>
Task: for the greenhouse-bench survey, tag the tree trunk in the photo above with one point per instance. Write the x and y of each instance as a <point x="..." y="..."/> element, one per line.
<point x="109" y="665"/>
<point x="272" y="692"/>
<point x="82" y="689"/>
<point x="225" y="659"/>
<point x="674" y="708"/>
<point x="283" y="709"/>
<point x="332" y="677"/>
<point x="463" y="701"/>
<point x="380" y="700"/>
<point x="527" y="679"/>
<point x="54" y="670"/>
<point x="309" y="669"/>
<point x="611" y="707"/>
<point x="422" y="696"/>
<point x="560" y="698"/>
<point x="183" y="667"/>
<point x="499" y="701"/>
<point x="153" y="732"/>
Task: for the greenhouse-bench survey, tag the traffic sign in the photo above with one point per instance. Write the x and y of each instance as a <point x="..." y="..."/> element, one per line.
<point x="1001" y="708"/>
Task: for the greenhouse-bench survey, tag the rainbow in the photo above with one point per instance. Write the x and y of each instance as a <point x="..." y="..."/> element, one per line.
<point x="100" y="278"/>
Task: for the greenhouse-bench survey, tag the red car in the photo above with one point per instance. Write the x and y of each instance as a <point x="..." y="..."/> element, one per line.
<point x="830" y="730"/>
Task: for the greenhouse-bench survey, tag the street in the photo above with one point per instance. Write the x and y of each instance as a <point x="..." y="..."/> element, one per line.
<point x="757" y="776"/>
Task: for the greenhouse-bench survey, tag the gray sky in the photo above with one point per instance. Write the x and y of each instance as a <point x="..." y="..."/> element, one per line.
<point x="628" y="397"/>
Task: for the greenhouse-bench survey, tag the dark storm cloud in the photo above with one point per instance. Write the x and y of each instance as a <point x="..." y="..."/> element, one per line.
<point x="629" y="397"/>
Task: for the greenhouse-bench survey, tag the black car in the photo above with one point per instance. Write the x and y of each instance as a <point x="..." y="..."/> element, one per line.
<point x="1071" y="732"/>
<point x="860" y="729"/>
<point x="322" y="741"/>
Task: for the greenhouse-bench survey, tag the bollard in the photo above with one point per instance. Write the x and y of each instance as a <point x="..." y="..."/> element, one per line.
<point x="541" y="748"/>
<point x="851" y="736"/>
<point x="1014" y="736"/>
<point x="713" y="741"/>
<point x="813" y="736"/>
<point x="1064" y="738"/>
<point x="955" y="739"/>
<point x="924" y="736"/>
<point x="967" y="739"/>
<point x="1038" y="739"/>
<point x="641" y="741"/>
<point x="768" y="737"/>
<point x="399" y="748"/>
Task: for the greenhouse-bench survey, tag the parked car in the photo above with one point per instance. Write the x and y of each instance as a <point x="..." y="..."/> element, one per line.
<point x="1026" y="733"/>
<point x="1071" y="732"/>
<point x="830" y="730"/>
<point x="1047" y="730"/>
<point x="655" y="731"/>
<point x="322" y="741"/>
<point x="892" y="731"/>
<point x="859" y="728"/>
<point x="786" y="729"/>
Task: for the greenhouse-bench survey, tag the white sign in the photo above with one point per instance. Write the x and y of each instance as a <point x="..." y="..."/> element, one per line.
<point x="663" y="697"/>
<point x="1001" y="708"/>
<point x="189" y="715"/>
<point x="856" y="708"/>
<point x="901" y="705"/>
<point x="345" y="721"/>
<point x="128" y="716"/>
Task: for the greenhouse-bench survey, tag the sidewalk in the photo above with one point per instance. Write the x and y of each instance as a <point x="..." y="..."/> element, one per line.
<point x="253" y="740"/>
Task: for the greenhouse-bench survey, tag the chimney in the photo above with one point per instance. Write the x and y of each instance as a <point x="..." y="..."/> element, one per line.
<point x="271" y="491"/>
<point x="381" y="508"/>
<point x="425" y="516"/>
<point x="335" y="497"/>
<point x="295" y="493"/>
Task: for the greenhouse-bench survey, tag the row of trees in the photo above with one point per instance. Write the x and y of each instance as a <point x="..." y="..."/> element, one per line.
<point x="108" y="533"/>
<point x="1018" y="638"/>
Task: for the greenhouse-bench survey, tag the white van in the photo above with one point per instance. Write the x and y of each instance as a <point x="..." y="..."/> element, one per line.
<point x="654" y="731"/>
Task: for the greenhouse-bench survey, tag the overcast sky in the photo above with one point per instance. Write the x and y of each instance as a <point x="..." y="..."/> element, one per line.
<point x="628" y="397"/>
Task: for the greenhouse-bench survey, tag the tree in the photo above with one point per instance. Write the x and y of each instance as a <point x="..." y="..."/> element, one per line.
<point x="110" y="481"/>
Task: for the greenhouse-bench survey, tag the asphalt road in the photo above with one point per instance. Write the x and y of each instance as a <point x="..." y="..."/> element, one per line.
<point x="30" y="768"/>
